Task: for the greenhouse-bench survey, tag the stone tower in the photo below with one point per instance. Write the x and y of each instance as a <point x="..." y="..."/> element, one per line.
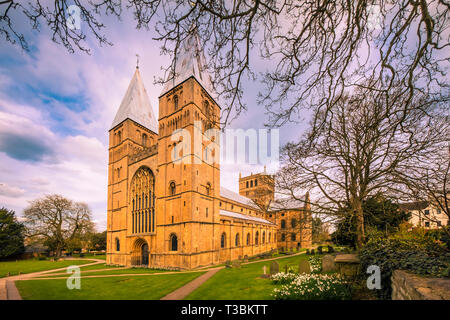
<point x="133" y="130"/>
<point x="259" y="187"/>
<point x="188" y="162"/>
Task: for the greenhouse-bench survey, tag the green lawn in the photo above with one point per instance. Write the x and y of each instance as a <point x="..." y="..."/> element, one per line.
<point x="115" y="288"/>
<point x="112" y="272"/>
<point x="31" y="265"/>
<point x="242" y="284"/>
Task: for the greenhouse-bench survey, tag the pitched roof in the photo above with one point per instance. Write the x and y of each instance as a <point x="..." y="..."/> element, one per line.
<point x="190" y="62"/>
<point x="417" y="205"/>
<point x="231" y="195"/>
<point x="244" y="217"/>
<point x="136" y="105"/>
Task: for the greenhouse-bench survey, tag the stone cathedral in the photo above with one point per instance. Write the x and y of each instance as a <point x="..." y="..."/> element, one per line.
<point x="164" y="212"/>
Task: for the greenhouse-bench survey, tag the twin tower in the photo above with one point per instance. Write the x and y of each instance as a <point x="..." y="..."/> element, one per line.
<point x="167" y="210"/>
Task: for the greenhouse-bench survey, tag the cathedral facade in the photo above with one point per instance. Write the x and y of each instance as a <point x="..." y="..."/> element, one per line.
<point x="166" y="208"/>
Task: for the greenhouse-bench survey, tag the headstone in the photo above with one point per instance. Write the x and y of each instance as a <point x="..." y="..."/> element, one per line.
<point x="274" y="267"/>
<point x="236" y="264"/>
<point x="228" y="264"/>
<point x="328" y="263"/>
<point x="292" y="249"/>
<point x="246" y="258"/>
<point x="304" y="267"/>
<point x="265" y="275"/>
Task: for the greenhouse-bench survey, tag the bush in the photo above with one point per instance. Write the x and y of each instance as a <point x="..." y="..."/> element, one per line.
<point x="419" y="255"/>
<point x="314" y="287"/>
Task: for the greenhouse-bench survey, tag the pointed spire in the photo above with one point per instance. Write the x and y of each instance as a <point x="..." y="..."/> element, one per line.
<point x="190" y="62"/>
<point x="136" y="105"/>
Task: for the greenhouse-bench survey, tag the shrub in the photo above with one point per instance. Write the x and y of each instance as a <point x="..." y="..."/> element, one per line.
<point x="418" y="255"/>
<point x="314" y="287"/>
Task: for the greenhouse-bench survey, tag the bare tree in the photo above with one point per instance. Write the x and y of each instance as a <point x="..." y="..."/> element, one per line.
<point x="429" y="183"/>
<point x="362" y="151"/>
<point x="317" y="49"/>
<point x="57" y="220"/>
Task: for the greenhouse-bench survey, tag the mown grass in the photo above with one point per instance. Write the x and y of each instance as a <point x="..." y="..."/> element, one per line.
<point x="114" y="288"/>
<point x="32" y="265"/>
<point x="243" y="283"/>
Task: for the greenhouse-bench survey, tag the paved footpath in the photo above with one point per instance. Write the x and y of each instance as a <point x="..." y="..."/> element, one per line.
<point x="184" y="291"/>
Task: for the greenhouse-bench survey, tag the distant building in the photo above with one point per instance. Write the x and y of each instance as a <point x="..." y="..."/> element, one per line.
<point x="425" y="214"/>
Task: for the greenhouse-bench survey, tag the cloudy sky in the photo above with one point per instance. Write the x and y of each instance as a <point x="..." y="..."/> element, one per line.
<point x="56" y="109"/>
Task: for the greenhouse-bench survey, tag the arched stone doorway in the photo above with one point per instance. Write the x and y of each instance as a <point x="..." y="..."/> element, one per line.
<point x="140" y="253"/>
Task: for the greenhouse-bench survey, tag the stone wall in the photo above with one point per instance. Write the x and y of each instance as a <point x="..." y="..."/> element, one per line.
<point x="407" y="286"/>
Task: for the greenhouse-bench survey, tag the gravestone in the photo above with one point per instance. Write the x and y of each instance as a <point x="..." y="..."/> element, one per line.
<point x="265" y="275"/>
<point x="274" y="267"/>
<point x="236" y="264"/>
<point x="328" y="263"/>
<point x="292" y="249"/>
<point x="228" y="264"/>
<point x="304" y="267"/>
<point x="246" y="258"/>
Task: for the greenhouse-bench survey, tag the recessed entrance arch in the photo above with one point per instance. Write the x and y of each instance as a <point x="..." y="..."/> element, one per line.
<point x="140" y="253"/>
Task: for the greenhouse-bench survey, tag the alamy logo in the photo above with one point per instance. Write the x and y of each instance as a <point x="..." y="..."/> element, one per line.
<point x="73" y="20"/>
<point x="74" y="281"/>
<point x="233" y="146"/>
<point x="374" y="280"/>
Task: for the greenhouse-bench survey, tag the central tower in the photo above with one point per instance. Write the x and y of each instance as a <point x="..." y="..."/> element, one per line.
<point x="188" y="163"/>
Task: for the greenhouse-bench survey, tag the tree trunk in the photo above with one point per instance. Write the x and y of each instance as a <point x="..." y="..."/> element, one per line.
<point x="359" y="224"/>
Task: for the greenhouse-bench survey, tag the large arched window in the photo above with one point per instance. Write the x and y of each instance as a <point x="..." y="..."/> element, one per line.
<point x="256" y="238"/>
<point x="173" y="242"/>
<point x="269" y="238"/>
<point x="172" y="188"/>
<point x="283" y="237"/>
<point x="263" y="237"/>
<point x="236" y="240"/>
<point x="283" y="224"/>
<point x="142" y="196"/>
<point x="117" y="244"/>
<point x="248" y="238"/>
<point x="223" y="239"/>
<point x="293" y="236"/>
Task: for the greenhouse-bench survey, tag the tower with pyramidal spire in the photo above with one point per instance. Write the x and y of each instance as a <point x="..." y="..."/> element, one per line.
<point x="166" y="208"/>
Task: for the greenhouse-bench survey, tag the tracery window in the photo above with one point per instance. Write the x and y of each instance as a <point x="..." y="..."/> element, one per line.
<point x="256" y="238"/>
<point x="263" y="237"/>
<point x="248" y="238"/>
<point x="143" y="200"/>
<point x="236" y="240"/>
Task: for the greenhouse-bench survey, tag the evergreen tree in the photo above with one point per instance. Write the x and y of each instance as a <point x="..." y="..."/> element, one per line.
<point x="11" y="234"/>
